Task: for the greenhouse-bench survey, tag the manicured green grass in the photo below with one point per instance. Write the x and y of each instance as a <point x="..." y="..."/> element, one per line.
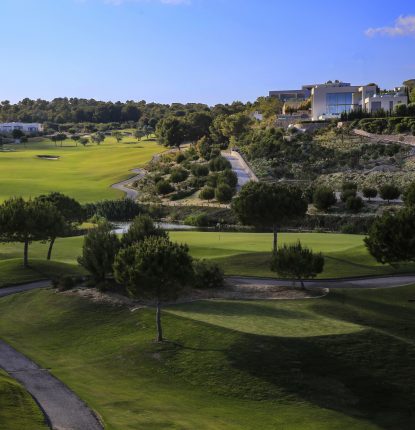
<point x="85" y="173"/>
<point x="243" y="253"/>
<point x="13" y="272"/>
<point x="342" y="362"/>
<point x="18" y="410"/>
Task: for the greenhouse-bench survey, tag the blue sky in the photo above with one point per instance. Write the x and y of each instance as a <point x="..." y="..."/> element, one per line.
<point x="209" y="51"/>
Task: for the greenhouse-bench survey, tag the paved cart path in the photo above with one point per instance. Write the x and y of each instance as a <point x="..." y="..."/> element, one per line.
<point x="130" y="193"/>
<point x="353" y="283"/>
<point x="62" y="408"/>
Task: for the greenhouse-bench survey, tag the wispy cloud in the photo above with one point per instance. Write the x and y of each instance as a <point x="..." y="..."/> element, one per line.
<point x="167" y="2"/>
<point x="404" y="26"/>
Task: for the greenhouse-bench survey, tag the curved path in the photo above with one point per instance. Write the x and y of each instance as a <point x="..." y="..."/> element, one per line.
<point x="364" y="282"/>
<point x="62" y="408"/>
<point x="130" y="193"/>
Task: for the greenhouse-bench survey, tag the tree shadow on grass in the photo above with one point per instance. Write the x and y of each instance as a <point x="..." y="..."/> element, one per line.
<point x="241" y="309"/>
<point x="366" y="375"/>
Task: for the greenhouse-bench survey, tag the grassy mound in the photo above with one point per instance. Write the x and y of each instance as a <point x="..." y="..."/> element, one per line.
<point x="345" y="361"/>
<point x="18" y="410"/>
<point x="13" y="272"/>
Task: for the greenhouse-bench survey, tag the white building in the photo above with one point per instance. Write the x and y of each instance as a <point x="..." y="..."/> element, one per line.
<point x="28" y="128"/>
<point x="330" y="100"/>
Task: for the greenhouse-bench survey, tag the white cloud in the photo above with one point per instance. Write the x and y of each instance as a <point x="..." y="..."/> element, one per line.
<point x="404" y="26"/>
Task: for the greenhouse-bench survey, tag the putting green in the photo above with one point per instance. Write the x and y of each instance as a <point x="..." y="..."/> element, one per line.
<point x="85" y="173"/>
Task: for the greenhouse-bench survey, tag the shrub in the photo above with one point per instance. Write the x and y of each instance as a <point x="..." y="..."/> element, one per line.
<point x="409" y="195"/>
<point x="224" y="193"/>
<point x="212" y="180"/>
<point x="354" y="203"/>
<point x="207" y="193"/>
<point x="197" y="220"/>
<point x="346" y="194"/>
<point x="228" y="177"/>
<point x="323" y="198"/>
<point x="163" y="187"/>
<point x="182" y="194"/>
<point x="180" y="157"/>
<point x="207" y="274"/>
<point x="349" y="186"/>
<point x="113" y="210"/>
<point x="64" y="283"/>
<point x="370" y="193"/>
<point x="200" y="169"/>
<point x="219" y="163"/>
<point x="197" y="182"/>
<point x="179" y="175"/>
<point x="389" y="192"/>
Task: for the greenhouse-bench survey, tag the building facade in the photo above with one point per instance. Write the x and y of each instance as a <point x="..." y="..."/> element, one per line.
<point x="28" y="128"/>
<point x="290" y="95"/>
<point x="331" y="99"/>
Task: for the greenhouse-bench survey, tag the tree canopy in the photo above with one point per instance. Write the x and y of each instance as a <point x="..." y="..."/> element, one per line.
<point x="155" y="268"/>
<point x="268" y="205"/>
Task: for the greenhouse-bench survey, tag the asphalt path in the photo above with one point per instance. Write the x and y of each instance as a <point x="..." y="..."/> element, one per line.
<point x="63" y="410"/>
<point x="239" y="169"/>
<point x="351" y="283"/>
<point x="130" y="193"/>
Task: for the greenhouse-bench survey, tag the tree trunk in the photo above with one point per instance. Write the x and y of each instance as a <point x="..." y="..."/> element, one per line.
<point x="52" y="242"/>
<point x="275" y="231"/>
<point x="158" y="323"/>
<point x="26" y="253"/>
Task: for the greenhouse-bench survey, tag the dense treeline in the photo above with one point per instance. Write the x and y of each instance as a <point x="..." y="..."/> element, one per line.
<point x="74" y="110"/>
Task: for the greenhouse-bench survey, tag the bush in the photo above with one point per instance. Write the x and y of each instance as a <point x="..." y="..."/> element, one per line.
<point x="228" y="177"/>
<point x="389" y="192"/>
<point x="349" y="186"/>
<point x="323" y="198"/>
<point x="207" y="193"/>
<point x="409" y="195"/>
<point x="200" y="169"/>
<point x="207" y="275"/>
<point x="64" y="283"/>
<point x="224" y="193"/>
<point x="163" y="187"/>
<point x="114" y="210"/>
<point x="347" y="194"/>
<point x="197" y="220"/>
<point x="182" y="194"/>
<point x="180" y="157"/>
<point x="354" y="203"/>
<point x="370" y="193"/>
<point x="219" y="163"/>
<point x="179" y="175"/>
<point x="212" y="180"/>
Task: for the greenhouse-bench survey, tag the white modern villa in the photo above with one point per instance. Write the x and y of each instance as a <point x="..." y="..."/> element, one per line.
<point x="331" y="99"/>
<point x="28" y="128"/>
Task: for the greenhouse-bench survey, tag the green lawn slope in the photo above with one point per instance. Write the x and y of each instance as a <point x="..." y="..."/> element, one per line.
<point x="238" y="253"/>
<point x="342" y="362"/>
<point x="18" y="410"/>
<point x="85" y="173"/>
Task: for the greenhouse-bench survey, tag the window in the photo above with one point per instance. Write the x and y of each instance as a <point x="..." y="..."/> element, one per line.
<point x="337" y="103"/>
